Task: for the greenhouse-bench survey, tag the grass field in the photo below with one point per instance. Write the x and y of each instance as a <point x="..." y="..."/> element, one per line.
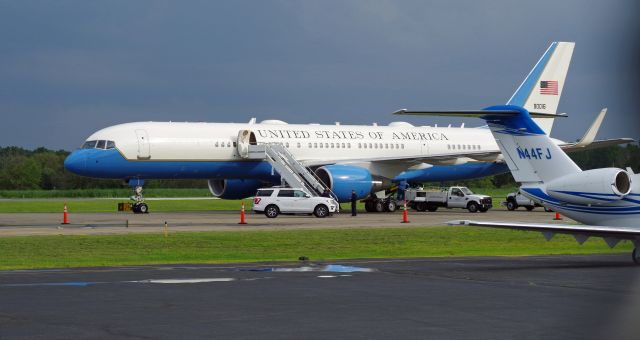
<point x="256" y="246"/>
<point x="82" y="204"/>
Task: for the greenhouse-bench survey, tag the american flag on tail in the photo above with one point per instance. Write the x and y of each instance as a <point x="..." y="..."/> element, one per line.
<point x="549" y="87"/>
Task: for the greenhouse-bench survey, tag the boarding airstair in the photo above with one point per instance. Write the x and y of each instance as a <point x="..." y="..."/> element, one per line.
<point x="291" y="171"/>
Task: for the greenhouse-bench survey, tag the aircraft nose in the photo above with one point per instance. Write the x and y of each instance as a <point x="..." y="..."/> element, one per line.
<point x="76" y="162"/>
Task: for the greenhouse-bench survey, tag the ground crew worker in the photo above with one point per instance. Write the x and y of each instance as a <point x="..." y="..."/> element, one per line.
<point x="354" y="200"/>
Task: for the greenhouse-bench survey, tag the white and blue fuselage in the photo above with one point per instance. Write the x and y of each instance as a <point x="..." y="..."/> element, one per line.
<point x="176" y="150"/>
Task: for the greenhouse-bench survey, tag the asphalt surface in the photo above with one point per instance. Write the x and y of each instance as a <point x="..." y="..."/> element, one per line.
<point x="26" y="224"/>
<point x="550" y="297"/>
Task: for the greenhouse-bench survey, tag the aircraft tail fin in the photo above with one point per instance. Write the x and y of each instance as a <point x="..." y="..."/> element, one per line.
<point x="531" y="155"/>
<point x="541" y="89"/>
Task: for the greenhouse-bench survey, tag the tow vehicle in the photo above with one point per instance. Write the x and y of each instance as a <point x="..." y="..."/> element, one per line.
<point x="275" y="201"/>
<point x="453" y="197"/>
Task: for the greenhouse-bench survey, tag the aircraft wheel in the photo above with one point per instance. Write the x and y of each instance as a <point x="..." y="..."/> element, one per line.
<point x="271" y="211"/>
<point x="636" y="256"/>
<point x="379" y="206"/>
<point x="473" y="207"/>
<point x="511" y="205"/>
<point x="143" y="208"/>
<point x="321" y="211"/>
<point x="368" y="206"/>
<point x="392" y="206"/>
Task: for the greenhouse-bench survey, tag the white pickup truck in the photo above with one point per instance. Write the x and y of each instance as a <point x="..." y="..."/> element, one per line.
<point x="453" y="197"/>
<point x="517" y="199"/>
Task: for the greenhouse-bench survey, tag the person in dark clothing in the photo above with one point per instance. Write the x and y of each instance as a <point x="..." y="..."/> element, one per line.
<point x="326" y="193"/>
<point x="354" y="200"/>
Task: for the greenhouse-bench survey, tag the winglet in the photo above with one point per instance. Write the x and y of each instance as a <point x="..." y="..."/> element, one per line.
<point x="590" y="135"/>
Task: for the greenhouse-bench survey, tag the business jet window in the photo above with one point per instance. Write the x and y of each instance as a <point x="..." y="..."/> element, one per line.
<point x="337" y="145"/>
<point x="478" y="147"/>
<point x="332" y="145"/>
<point x="111" y="144"/>
<point x="320" y="145"/>
<point x="90" y="144"/>
<point x="298" y="145"/>
<point x="326" y="145"/>
<point x="343" y="145"/>
<point x="228" y="144"/>
<point x="348" y="145"/>
<point x="402" y="146"/>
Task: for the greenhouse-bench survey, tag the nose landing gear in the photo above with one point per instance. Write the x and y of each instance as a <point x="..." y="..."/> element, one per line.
<point x="139" y="207"/>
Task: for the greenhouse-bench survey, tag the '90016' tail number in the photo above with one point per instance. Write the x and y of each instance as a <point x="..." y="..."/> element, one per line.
<point x="535" y="153"/>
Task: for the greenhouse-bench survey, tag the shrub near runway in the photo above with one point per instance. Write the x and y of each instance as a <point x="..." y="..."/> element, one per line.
<point x="256" y="246"/>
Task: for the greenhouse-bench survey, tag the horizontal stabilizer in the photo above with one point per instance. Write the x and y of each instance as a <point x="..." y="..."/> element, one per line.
<point x="477" y="113"/>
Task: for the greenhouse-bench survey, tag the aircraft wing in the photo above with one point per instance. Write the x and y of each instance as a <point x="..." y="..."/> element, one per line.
<point x="483" y="156"/>
<point x="596" y="144"/>
<point x="611" y="235"/>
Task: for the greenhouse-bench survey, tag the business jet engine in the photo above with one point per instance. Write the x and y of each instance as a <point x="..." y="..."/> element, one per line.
<point x="234" y="188"/>
<point x="341" y="179"/>
<point x="592" y="186"/>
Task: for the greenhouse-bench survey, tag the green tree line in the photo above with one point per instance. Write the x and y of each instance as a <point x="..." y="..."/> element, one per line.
<point x="22" y="169"/>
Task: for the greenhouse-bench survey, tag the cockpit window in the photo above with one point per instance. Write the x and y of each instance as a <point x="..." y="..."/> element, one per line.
<point x="90" y="144"/>
<point x="99" y="144"/>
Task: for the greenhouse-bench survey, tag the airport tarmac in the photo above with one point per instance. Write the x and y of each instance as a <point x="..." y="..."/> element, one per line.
<point x="25" y="224"/>
<point x="542" y="297"/>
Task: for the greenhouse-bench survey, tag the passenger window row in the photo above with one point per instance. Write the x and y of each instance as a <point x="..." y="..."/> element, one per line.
<point x="99" y="144"/>
<point x="463" y="147"/>
<point x="380" y="146"/>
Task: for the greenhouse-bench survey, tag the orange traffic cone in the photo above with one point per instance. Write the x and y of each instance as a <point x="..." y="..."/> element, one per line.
<point x="405" y="218"/>
<point x="557" y="218"/>
<point x="242" y="215"/>
<point x="65" y="215"/>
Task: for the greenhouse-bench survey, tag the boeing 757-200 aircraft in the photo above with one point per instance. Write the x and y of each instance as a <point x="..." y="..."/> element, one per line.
<point x="238" y="158"/>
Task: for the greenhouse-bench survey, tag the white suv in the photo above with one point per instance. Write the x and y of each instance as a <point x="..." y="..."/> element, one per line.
<point x="275" y="201"/>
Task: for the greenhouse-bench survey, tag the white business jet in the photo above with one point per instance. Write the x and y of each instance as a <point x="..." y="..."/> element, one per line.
<point x="606" y="200"/>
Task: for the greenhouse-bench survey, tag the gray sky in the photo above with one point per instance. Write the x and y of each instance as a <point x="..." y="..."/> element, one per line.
<point x="68" y="68"/>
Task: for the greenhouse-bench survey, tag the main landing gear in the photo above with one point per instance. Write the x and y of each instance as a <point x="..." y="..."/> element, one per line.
<point x="139" y="207"/>
<point x="374" y="204"/>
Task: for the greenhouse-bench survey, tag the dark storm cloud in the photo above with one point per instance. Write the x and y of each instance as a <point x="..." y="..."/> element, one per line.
<point x="68" y="68"/>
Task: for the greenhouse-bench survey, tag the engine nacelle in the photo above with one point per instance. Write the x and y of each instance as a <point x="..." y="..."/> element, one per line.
<point x="234" y="188"/>
<point x="341" y="179"/>
<point x="592" y="186"/>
